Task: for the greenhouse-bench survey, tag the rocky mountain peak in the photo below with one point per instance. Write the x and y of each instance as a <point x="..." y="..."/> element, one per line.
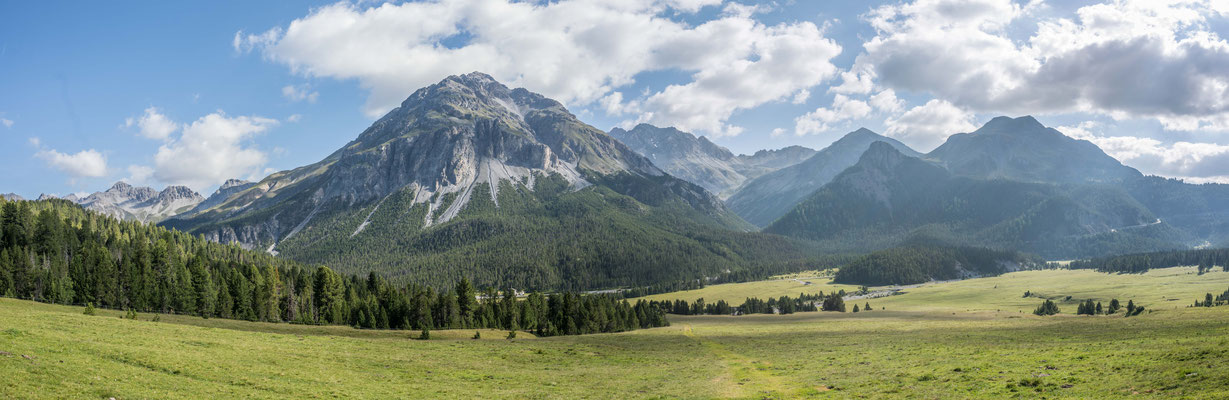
<point x="171" y="193"/>
<point x="230" y="183"/>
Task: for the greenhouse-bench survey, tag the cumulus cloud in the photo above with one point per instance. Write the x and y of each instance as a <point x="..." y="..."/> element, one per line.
<point x="8" y="123"/>
<point x="212" y="149"/>
<point x="83" y="164"/>
<point x="1194" y="162"/>
<point x="926" y="126"/>
<point x="153" y="124"/>
<point x="139" y="175"/>
<point x="1126" y="58"/>
<point x="846" y="109"/>
<point x="843" y="109"/>
<point x="297" y="93"/>
<point x="578" y="52"/>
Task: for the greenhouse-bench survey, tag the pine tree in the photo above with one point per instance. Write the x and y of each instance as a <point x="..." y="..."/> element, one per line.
<point x="1047" y="308"/>
<point x="855" y="308"/>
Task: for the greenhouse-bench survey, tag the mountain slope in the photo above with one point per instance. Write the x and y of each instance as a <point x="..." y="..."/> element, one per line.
<point x="764" y="199"/>
<point x="470" y="178"/>
<point x="697" y="160"/>
<point x="1023" y="149"/>
<point x="888" y="198"/>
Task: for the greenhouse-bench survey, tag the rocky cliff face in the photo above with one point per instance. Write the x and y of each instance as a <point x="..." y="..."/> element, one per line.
<point x="700" y="161"/>
<point x="444" y="142"/>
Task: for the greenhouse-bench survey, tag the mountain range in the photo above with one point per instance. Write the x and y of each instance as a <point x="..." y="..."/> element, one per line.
<point x="471" y="178"/>
<point x="139" y="203"/>
<point x="699" y="161"/>
<point x="766" y="198"/>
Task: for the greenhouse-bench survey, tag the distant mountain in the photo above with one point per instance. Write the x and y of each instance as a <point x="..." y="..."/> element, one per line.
<point x="888" y="198"/>
<point x="471" y="178"/>
<point x="12" y="197"/>
<point x="225" y="191"/>
<point x="124" y="201"/>
<point x="697" y="160"/>
<point x="764" y="199"/>
<point x="1023" y="149"/>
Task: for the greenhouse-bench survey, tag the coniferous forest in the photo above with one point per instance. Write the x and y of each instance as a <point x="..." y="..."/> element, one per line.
<point x="54" y="251"/>
<point x="1204" y="259"/>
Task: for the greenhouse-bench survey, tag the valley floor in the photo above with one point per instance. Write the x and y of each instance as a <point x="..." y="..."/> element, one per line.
<point x="908" y="351"/>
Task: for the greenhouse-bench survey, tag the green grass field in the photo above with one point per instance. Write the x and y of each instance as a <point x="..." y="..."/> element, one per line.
<point x="1162" y="289"/>
<point x="924" y="346"/>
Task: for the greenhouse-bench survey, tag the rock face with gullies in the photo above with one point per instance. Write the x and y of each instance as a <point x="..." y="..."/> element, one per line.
<point x="437" y="148"/>
<point x="700" y="161"/>
<point x="124" y="201"/>
<point x="12" y="197"/>
<point x="766" y="198"/>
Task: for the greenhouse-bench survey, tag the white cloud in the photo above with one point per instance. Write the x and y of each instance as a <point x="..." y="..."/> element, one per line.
<point x="35" y="141"/>
<point x="139" y="175"/>
<point x="1195" y="162"/>
<point x="926" y="126"/>
<point x="84" y="164"/>
<point x="843" y="109"/>
<point x="576" y="51"/>
<point x="8" y="123"/>
<point x="886" y="101"/>
<point x="300" y="93"/>
<point x="210" y="150"/>
<point x="1126" y="58"/>
<point x="153" y="124"/>
<point x="294" y="118"/>
<point x="801" y="96"/>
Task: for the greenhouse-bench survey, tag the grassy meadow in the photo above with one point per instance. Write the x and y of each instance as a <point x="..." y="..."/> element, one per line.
<point x="926" y="345"/>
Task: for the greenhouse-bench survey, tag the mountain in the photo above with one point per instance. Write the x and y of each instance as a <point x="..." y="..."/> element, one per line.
<point x="1023" y="149"/>
<point x="697" y="160"/>
<point x="889" y="198"/>
<point x="12" y="197"/>
<point x="225" y="191"/>
<point x="124" y="201"/>
<point x="468" y="177"/>
<point x="764" y="199"/>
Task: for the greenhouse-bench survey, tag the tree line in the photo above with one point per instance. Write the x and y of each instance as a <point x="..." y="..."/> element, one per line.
<point x="1213" y="301"/>
<point x="54" y="251"/>
<point x="1204" y="259"/>
<point x="753" y="305"/>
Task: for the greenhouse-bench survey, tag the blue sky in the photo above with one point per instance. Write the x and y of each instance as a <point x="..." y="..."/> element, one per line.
<point x="161" y="93"/>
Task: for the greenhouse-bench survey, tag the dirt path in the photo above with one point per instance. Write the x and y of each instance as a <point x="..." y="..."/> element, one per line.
<point x="743" y="376"/>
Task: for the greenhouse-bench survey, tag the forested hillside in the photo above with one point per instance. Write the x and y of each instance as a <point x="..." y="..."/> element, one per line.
<point x="917" y="264"/>
<point x="1205" y="259"/>
<point x="54" y="251"/>
<point x="888" y="199"/>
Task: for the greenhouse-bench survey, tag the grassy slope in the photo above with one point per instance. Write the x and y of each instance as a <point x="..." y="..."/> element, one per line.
<point x="883" y="354"/>
<point x="1162" y="289"/>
